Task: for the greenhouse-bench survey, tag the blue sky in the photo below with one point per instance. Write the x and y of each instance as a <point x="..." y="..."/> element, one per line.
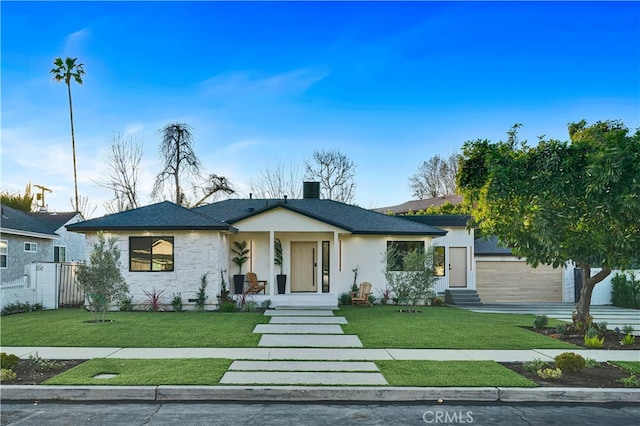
<point x="388" y="84"/>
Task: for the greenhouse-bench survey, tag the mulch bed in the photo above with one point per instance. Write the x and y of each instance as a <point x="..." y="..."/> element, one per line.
<point x="611" y="339"/>
<point x="604" y="376"/>
<point x="26" y="374"/>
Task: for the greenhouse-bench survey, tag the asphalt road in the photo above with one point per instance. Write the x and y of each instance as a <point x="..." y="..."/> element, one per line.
<point x="184" y="414"/>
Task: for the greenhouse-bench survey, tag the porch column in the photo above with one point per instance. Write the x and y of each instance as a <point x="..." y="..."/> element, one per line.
<point x="272" y="268"/>
<point x="335" y="261"/>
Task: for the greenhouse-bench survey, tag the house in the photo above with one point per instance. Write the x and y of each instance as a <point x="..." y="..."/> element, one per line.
<point x="169" y="247"/>
<point x="36" y="237"/>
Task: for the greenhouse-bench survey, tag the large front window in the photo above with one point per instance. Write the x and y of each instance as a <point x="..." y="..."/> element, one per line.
<point x="148" y="254"/>
<point x="400" y="250"/>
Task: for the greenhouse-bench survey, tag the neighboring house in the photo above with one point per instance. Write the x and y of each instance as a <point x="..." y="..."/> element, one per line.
<point x="168" y="248"/>
<point x="414" y="206"/>
<point x="35" y="237"/>
<point x="455" y="251"/>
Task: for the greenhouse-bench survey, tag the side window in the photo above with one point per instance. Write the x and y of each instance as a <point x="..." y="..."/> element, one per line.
<point x="148" y="254"/>
<point x="4" y="253"/>
<point x="31" y="247"/>
<point x="400" y="250"/>
<point x="438" y="261"/>
<point x="59" y="254"/>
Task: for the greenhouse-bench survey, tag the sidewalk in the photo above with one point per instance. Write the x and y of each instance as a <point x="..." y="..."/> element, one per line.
<point x="306" y="347"/>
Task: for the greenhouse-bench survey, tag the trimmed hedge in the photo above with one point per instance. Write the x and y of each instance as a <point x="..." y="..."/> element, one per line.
<point x="625" y="291"/>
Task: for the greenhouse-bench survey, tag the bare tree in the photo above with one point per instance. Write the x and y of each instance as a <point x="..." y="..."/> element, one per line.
<point x="180" y="162"/>
<point x="435" y="177"/>
<point x="335" y="172"/>
<point x="278" y="181"/>
<point x="123" y="163"/>
<point x="182" y="168"/>
<point x="86" y="209"/>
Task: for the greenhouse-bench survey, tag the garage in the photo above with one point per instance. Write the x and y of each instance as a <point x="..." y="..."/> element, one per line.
<point x="512" y="280"/>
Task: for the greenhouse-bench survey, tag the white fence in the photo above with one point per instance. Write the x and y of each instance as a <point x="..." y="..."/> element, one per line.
<point x="44" y="283"/>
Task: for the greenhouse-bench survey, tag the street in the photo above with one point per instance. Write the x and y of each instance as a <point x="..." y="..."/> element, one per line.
<point x="107" y="414"/>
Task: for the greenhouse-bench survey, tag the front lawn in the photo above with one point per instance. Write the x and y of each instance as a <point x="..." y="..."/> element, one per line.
<point x="450" y="373"/>
<point x="145" y="372"/>
<point x="67" y="327"/>
<point x="443" y="328"/>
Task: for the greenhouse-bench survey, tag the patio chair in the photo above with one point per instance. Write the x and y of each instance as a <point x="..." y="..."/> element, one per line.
<point x="361" y="297"/>
<point x="255" y="286"/>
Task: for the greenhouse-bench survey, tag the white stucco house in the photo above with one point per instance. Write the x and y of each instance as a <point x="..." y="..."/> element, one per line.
<point x="168" y="248"/>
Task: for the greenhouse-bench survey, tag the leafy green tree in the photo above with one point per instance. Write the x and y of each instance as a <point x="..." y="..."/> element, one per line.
<point x="17" y="201"/>
<point x="101" y="280"/>
<point x="411" y="275"/>
<point x="65" y="71"/>
<point x="560" y="201"/>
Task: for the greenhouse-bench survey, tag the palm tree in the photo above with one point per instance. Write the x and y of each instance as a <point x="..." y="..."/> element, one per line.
<point x="66" y="71"/>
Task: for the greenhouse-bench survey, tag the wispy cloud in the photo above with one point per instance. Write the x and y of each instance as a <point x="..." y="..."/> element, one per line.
<point x="242" y="84"/>
<point x="74" y="42"/>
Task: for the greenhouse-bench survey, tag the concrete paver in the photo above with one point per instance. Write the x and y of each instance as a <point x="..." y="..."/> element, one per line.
<point x="298" y="329"/>
<point x="302" y="377"/>
<point x="310" y="340"/>
<point x="307" y="320"/>
<point x="299" y="312"/>
<point x="302" y="366"/>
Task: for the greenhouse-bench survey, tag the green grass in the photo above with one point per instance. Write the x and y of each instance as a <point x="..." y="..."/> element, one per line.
<point x="630" y="366"/>
<point x="450" y="373"/>
<point x="66" y="327"/>
<point x="141" y="372"/>
<point x="444" y="328"/>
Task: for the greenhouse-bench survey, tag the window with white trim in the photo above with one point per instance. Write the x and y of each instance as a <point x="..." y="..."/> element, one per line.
<point x="59" y="254"/>
<point x="31" y="247"/>
<point x="4" y="253"/>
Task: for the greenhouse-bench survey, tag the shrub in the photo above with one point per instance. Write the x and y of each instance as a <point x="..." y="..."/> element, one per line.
<point x="437" y="301"/>
<point x="591" y="332"/>
<point x="593" y="342"/>
<point x="228" y="306"/>
<point x="625" y="290"/>
<point x="602" y="326"/>
<point x="535" y="365"/>
<point x="125" y="304"/>
<point x="18" y="308"/>
<point x="8" y="361"/>
<point x="550" y="373"/>
<point x="176" y="302"/>
<point x="628" y="340"/>
<point x="630" y="382"/>
<point x="7" y="375"/>
<point x="39" y="363"/>
<point x="591" y="363"/>
<point x="345" y="299"/>
<point x="561" y="328"/>
<point x="540" y="321"/>
<point x="410" y="275"/>
<point x="249" y="306"/>
<point x="569" y="362"/>
<point x="201" y="296"/>
<point x="627" y="329"/>
<point x="154" y="300"/>
<point x="266" y="304"/>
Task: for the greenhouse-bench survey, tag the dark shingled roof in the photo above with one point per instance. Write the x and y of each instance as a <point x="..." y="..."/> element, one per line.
<point x="19" y="221"/>
<point x="490" y="247"/>
<point x="439" y="219"/>
<point x="350" y="218"/>
<point x="52" y="220"/>
<point x="161" y="216"/>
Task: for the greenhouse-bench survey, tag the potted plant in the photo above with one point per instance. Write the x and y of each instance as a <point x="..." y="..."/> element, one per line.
<point x="240" y="250"/>
<point x="277" y="259"/>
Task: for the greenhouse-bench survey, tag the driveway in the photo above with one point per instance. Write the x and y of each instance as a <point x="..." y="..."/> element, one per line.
<point x="614" y="316"/>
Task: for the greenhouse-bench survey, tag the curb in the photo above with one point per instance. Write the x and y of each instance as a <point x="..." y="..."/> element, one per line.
<point x="314" y="394"/>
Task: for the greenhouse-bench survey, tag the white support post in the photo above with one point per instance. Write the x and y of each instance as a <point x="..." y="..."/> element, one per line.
<point x="334" y="262"/>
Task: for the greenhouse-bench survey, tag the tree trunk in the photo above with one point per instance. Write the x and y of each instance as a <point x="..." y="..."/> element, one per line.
<point x="588" y="283"/>
<point x="73" y="147"/>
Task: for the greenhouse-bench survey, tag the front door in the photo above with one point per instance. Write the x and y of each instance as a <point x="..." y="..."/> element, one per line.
<point x="457" y="266"/>
<point x="303" y="266"/>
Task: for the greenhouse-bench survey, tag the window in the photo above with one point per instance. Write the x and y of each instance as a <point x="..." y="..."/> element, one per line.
<point x="438" y="261"/>
<point x="59" y="254"/>
<point x="148" y="254"/>
<point x="325" y="266"/>
<point x="31" y="247"/>
<point x="401" y="250"/>
<point x="3" y="253"/>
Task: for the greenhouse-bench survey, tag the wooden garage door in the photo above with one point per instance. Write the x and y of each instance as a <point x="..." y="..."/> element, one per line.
<point x="518" y="282"/>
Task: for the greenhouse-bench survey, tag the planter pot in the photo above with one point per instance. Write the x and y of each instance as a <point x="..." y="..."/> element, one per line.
<point x="282" y="283"/>
<point x="238" y="284"/>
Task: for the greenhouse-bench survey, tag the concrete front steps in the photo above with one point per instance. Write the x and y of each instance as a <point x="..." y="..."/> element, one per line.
<point x="461" y="296"/>
<point x="304" y="328"/>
